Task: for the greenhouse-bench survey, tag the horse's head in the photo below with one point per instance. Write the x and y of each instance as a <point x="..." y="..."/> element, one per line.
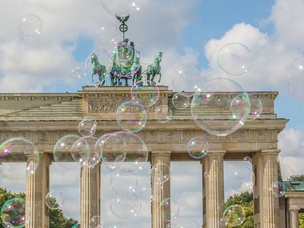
<point x="94" y="58"/>
<point x="159" y="56"/>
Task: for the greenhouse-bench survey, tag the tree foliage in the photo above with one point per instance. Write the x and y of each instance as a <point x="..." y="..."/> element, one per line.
<point x="57" y="218"/>
<point x="296" y="178"/>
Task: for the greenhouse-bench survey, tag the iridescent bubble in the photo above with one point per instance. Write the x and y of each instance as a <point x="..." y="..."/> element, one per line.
<point x="278" y="189"/>
<point x="87" y="126"/>
<point x="169" y="209"/>
<point x="131" y="116"/>
<point x="13" y="213"/>
<point x="126" y="205"/>
<point x="248" y="159"/>
<point x="96" y="67"/>
<point x="76" y="225"/>
<point x="123" y="151"/>
<point x="198" y="147"/>
<point x="296" y="79"/>
<point x="188" y="223"/>
<point x="54" y="200"/>
<point x="96" y="222"/>
<point x="187" y="79"/>
<point x="122" y="8"/>
<point x="234" y="215"/>
<point x="123" y="183"/>
<point x="83" y="151"/>
<point x="62" y="150"/>
<point x="30" y="25"/>
<point x="180" y="102"/>
<point x="163" y="113"/>
<point x="77" y="73"/>
<point x="159" y="173"/>
<point x="23" y="158"/>
<point x="145" y="95"/>
<point x="216" y="94"/>
<point x="234" y="58"/>
<point x="241" y="179"/>
<point x="122" y="60"/>
<point x="107" y="34"/>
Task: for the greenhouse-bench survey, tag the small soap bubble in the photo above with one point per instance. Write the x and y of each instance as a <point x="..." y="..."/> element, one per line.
<point x="180" y="102"/>
<point x="242" y="179"/>
<point x="169" y="209"/>
<point x="30" y="25"/>
<point x="126" y="205"/>
<point x="54" y="200"/>
<point x="107" y="34"/>
<point x="13" y="213"/>
<point x="296" y="79"/>
<point x="248" y="159"/>
<point x="87" y="126"/>
<point x="234" y="58"/>
<point x="122" y="183"/>
<point x="188" y="223"/>
<point x="96" y="222"/>
<point x="278" y="189"/>
<point x="197" y="147"/>
<point x="234" y="215"/>
<point x="145" y="95"/>
<point x="163" y="113"/>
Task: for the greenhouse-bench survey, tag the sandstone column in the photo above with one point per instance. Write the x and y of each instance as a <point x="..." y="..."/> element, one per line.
<point x="270" y="203"/>
<point x="159" y="191"/>
<point x="213" y="188"/>
<point x="37" y="186"/>
<point x="294" y="219"/>
<point x="89" y="194"/>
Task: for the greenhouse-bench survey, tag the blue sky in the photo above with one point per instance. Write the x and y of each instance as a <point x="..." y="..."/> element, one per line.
<point x="189" y="31"/>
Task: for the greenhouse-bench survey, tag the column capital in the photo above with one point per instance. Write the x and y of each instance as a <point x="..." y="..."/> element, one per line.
<point x="293" y="208"/>
<point x="270" y="152"/>
<point x="216" y="152"/>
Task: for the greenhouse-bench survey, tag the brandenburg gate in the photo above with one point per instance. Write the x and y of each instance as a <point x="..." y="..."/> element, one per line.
<point x="44" y="118"/>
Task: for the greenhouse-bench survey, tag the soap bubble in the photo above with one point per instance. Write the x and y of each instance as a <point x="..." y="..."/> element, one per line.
<point x="256" y="107"/>
<point x="123" y="183"/>
<point x="122" y="151"/>
<point x="122" y="8"/>
<point x="54" y="200"/>
<point x="87" y="126"/>
<point x="187" y="79"/>
<point x="23" y="158"/>
<point x="83" y="151"/>
<point x="30" y="25"/>
<point x="247" y="158"/>
<point x="62" y="150"/>
<point x="188" y="223"/>
<point x="278" y="189"/>
<point x="131" y="116"/>
<point x="159" y="173"/>
<point x="197" y="147"/>
<point x="145" y="95"/>
<point x="242" y="179"/>
<point x="77" y="73"/>
<point x="180" y="102"/>
<point x="107" y="34"/>
<point x="234" y="215"/>
<point x="216" y="94"/>
<point x="234" y="58"/>
<point x="126" y="205"/>
<point x="163" y="113"/>
<point x="169" y="209"/>
<point x="96" y="222"/>
<point x="13" y="213"/>
<point x="296" y="79"/>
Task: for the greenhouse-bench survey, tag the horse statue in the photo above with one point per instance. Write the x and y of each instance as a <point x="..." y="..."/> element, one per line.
<point x="137" y="68"/>
<point x="154" y="68"/>
<point x="98" y="69"/>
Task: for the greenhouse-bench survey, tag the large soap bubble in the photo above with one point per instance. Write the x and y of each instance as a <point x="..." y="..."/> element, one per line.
<point x="211" y="109"/>
<point x="234" y="58"/>
<point x="30" y="25"/>
<point x="13" y="213"/>
<point x="122" y="8"/>
<point x="131" y="116"/>
<point x="107" y="34"/>
<point x="187" y="79"/>
<point x="126" y="205"/>
<point x="296" y="79"/>
<point x="19" y="158"/>
<point x="122" y="151"/>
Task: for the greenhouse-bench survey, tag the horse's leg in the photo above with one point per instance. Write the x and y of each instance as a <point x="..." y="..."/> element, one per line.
<point x="159" y="77"/>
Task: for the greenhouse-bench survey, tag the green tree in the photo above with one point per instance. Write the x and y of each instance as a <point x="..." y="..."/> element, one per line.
<point x="245" y="200"/>
<point x="57" y="219"/>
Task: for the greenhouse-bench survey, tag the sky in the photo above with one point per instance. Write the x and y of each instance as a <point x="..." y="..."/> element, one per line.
<point x="191" y="31"/>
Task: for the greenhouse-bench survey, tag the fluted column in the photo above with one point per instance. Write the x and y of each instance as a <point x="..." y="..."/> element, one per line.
<point x="160" y="191"/>
<point x="37" y="186"/>
<point x="213" y="188"/>
<point x="89" y="194"/>
<point x="294" y="217"/>
<point x="270" y="203"/>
